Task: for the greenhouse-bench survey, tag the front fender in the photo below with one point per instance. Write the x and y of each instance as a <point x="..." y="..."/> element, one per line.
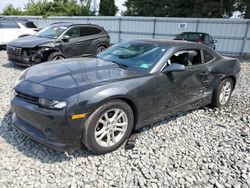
<point x="106" y="95"/>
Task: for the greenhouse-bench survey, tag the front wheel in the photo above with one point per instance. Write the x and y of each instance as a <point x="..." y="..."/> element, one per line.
<point x="55" y="56"/>
<point x="108" y="127"/>
<point x="222" y="93"/>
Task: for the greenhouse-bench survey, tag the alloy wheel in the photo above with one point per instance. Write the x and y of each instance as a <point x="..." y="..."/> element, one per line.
<point x="111" y="127"/>
<point x="100" y="49"/>
<point x="225" y="92"/>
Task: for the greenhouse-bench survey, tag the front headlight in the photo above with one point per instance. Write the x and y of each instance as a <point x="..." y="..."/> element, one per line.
<point x="21" y="77"/>
<point x="52" y="104"/>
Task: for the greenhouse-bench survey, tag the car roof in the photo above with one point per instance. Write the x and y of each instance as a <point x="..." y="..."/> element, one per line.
<point x="167" y="43"/>
<point x="14" y="19"/>
<point x="189" y="32"/>
<point x="69" y="24"/>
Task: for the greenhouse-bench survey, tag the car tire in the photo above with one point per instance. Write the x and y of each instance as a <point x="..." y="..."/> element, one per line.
<point x="222" y="93"/>
<point x="100" y="49"/>
<point x="101" y="134"/>
<point x="55" y="56"/>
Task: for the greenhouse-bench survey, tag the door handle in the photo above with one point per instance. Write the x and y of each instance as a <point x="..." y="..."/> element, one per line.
<point x="78" y="43"/>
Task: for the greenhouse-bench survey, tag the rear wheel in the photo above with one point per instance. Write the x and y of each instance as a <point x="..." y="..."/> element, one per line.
<point x="55" y="56"/>
<point x="101" y="49"/>
<point x="222" y="93"/>
<point x="108" y="127"/>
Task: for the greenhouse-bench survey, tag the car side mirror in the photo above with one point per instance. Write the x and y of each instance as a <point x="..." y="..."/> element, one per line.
<point x="65" y="38"/>
<point x="175" y="67"/>
<point x="215" y="41"/>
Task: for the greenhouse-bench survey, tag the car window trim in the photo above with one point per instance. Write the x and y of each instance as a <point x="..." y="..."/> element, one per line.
<point x="183" y="49"/>
<point x="204" y="56"/>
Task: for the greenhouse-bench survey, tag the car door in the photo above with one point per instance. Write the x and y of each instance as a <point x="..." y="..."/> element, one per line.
<point x="178" y="91"/>
<point x="90" y="39"/>
<point x="71" y="46"/>
<point x="86" y="39"/>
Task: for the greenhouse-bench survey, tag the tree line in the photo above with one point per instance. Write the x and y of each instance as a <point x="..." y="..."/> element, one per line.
<point x="183" y="8"/>
<point x="157" y="8"/>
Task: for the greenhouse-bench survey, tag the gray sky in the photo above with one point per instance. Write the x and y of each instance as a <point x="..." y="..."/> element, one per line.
<point x="21" y="3"/>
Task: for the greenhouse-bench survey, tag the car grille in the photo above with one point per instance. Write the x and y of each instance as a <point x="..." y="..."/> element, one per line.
<point x="27" y="98"/>
<point x="14" y="52"/>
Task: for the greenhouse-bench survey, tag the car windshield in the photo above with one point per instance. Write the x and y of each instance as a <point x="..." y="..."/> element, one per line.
<point x="51" y="32"/>
<point x="136" y="56"/>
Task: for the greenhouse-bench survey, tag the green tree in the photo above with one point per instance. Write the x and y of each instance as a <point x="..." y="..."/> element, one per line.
<point x="51" y="8"/>
<point x="108" y="8"/>
<point x="10" y="10"/>
<point x="180" y="8"/>
<point x="243" y="6"/>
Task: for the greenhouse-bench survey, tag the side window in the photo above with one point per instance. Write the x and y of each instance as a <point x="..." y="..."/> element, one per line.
<point x="84" y="31"/>
<point x="187" y="57"/>
<point x="9" y="25"/>
<point x="73" y="32"/>
<point x="29" y="24"/>
<point x="207" y="56"/>
<point x="87" y="31"/>
<point x="95" y="30"/>
<point x="207" y="39"/>
<point x="211" y="39"/>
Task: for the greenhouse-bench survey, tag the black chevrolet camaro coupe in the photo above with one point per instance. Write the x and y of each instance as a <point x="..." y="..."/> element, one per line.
<point x="99" y="101"/>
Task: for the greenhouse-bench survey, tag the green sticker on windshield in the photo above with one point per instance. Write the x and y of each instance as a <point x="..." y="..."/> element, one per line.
<point x="146" y="66"/>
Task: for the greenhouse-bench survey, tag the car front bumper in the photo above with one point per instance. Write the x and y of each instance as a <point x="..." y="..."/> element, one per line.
<point x="54" y="129"/>
<point x="20" y="63"/>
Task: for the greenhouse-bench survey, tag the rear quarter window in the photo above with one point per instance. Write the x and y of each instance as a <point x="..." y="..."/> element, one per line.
<point x="207" y="56"/>
<point x="8" y="25"/>
<point x="29" y="25"/>
<point x="87" y="31"/>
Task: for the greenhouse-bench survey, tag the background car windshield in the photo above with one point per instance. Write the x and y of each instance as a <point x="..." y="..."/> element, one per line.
<point x="137" y="56"/>
<point x="189" y="36"/>
<point x="51" y="32"/>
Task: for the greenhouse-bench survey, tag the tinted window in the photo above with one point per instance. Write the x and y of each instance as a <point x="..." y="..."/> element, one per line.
<point x="192" y="37"/>
<point x="86" y="31"/>
<point x="207" y="56"/>
<point x="73" y="32"/>
<point x="94" y="30"/>
<point x="8" y="24"/>
<point x="137" y="56"/>
<point x="29" y="25"/>
<point x="179" y="37"/>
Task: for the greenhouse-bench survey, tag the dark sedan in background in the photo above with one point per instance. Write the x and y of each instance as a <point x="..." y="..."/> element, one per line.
<point x="202" y="38"/>
<point x="58" y="41"/>
<point x="99" y="101"/>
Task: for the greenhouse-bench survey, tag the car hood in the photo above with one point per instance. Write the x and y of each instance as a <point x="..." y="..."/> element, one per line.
<point x="79" y="72"/>
<point x="30" y="41"/>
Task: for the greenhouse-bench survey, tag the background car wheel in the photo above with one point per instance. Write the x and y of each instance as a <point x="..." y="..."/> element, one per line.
<point x="108" y="127"/>
<point x="222" y="93"/>
<point x="100" y="49"/>
<point x="55" y="56"/>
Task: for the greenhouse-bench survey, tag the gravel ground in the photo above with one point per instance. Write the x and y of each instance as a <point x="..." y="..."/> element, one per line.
<point x="202" y="148"/>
